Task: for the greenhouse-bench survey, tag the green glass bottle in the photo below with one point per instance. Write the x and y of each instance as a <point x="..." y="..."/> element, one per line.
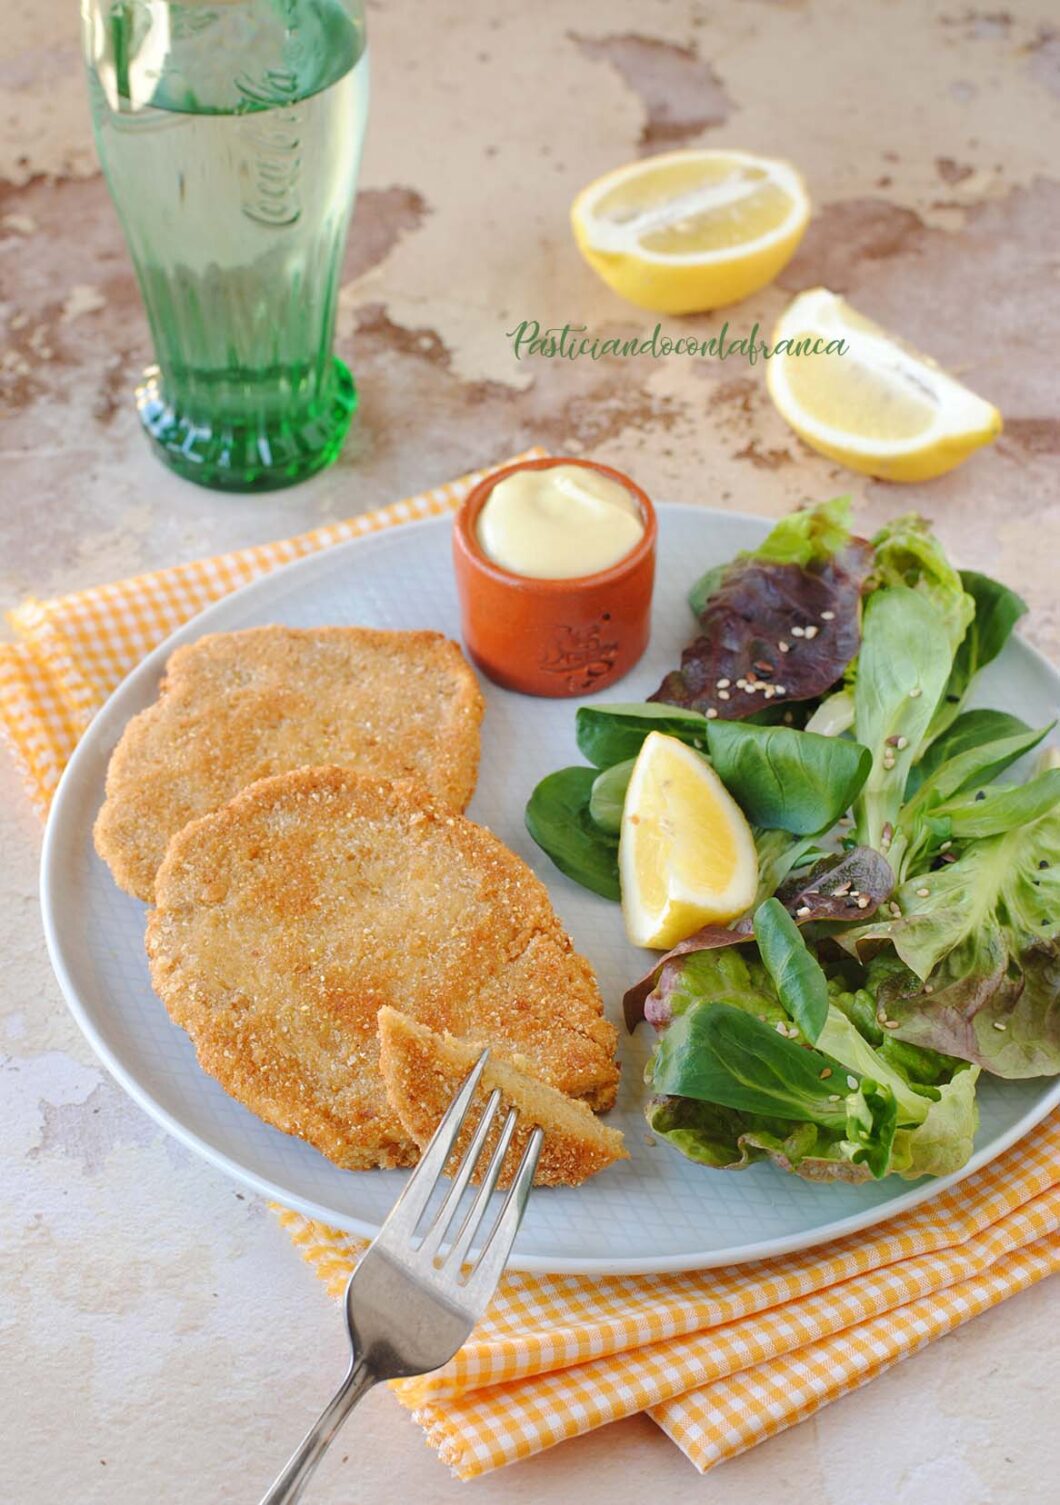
<point x="230" y="135"/>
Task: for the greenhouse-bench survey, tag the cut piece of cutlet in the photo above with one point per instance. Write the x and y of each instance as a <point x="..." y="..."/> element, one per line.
<point x="423" y="1070"/>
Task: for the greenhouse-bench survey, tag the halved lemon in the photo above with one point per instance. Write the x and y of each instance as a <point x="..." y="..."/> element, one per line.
<point x="686" y="855"/>
<point x="879" y="406"/>
<point x="691" y="230"/>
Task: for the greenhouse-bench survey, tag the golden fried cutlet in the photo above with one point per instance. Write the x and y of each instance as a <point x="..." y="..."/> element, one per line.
<point x="238" y="706"/>
<point x="289" y="917"/>
<point x="423" y="1070"/>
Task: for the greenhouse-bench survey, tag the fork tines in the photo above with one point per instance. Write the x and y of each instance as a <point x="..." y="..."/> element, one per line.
<point x="413" y="1202"/>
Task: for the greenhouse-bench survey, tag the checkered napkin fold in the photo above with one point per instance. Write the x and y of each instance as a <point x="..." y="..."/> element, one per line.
<point x="720" y="1359"/>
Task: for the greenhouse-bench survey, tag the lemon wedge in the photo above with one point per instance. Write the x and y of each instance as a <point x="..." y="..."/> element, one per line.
<point x="686" y="855"/>
<point x="691" y="230"/>
<point x="879" y="407"/>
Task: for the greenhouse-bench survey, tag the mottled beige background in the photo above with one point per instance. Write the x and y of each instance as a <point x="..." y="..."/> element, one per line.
<point x="161" y="1340"/>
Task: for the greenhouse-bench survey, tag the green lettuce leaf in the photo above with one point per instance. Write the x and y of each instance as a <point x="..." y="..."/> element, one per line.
<point x="975" y="966"/>
<point x="735" y="1079"/>
<point x="913" y="624"/>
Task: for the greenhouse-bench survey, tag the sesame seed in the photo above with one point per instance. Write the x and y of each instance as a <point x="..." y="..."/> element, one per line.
<point x="945" y="846"/>
<point x="781" y="689"/>
<point x="892" y="1024"/>
<point x="781" y="1027"/>
<point x="896" y="910"/>
<point x="741" y="684"/>
<point x="915" y="693"/>
<point x="770" y="692"/>
<point x="802" y="911"/>
<point x="892" y="741"/>
<point x="828" y="616"/>
<point x="902" y="744"/>
<point x="923" y="893"/>
<point x="811" y="632"/>
<point x="711" y="713"/>
<point x="784" y="647"/>
<point x="1000" y="1024"/>
<point x="929" y="987"/>
<point x="723" y="695"/>
<point x="798" y="632"/>
<point x="852" y="1083"/>
<point x="833" y="1097"/>
<point x="863" y="902"/>
<point x="723" y="684"/>
<point x="826" y="1073"/>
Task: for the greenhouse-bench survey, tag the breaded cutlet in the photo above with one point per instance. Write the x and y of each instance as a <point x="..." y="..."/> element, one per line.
<point x="239" y="706"/>
<point x="285" y="920"/>
<point x="423" y="1070"/>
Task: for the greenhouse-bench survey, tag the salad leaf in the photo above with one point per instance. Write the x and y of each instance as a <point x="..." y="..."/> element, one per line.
<point x="924" y="821"/>
<point x="848" y="885"/>
<point x="903" y="666"/>
<point x="779" y="855"/>
<point x="807" y="575"/>
<point x="991" y="812"/>
<point x="732" y="1090"/>
<point x="834" y="715"/>
<point x="610" y="734"/>
<point x="830" y="891"/>
<point x="782" y="778"/>
<point x="609" y="795"/>
<point x="970" y="729"/>
<point x="996" y="612"/>
<point x="719" y="1054"/>
<point x="809" y="536"/>
<point x="975" y="966"/>
<point x="914" y="622"/>
<point x="727" y="1140"/>
<point x="944" y="1141"/>
<point x="796" y="973"/>
<point x="557" y="817"/>
<point x="786" y="779"/>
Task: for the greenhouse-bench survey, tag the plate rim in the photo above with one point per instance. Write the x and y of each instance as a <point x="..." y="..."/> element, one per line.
<point x="520" y="1261"/>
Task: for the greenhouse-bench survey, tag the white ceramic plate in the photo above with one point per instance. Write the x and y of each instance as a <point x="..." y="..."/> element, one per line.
<point x="655" y="1212"/>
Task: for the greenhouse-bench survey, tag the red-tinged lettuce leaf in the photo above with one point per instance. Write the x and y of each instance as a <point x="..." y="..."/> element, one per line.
<point x="831" y="890"/>
<point x="981" y="1005"/>
<point x="836" y="886"/>
<point x="753" y="609"/>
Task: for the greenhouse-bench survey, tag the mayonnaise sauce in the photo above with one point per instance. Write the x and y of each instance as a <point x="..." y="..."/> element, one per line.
<point x="558" y="522"/>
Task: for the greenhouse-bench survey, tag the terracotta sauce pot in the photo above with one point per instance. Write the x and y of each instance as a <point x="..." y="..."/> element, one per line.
<point x="554" y="637"/>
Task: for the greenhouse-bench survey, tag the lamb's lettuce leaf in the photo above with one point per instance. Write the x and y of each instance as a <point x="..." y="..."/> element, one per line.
<point x="716" y="1053"/>
<point x="785" y="779"/>
<point x="557" y="817"/>
<point x="796" y="973"/>
<point x="735" y="1078"/>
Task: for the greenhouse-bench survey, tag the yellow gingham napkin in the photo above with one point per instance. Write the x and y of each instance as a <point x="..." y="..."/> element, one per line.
<point x="720" y="1359"/>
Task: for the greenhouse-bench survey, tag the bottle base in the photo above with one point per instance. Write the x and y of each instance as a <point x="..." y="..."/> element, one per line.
<point x="251" y="455"/>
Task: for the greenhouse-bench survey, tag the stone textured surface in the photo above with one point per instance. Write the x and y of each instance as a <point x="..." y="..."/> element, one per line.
<point x="161" y="1340"/>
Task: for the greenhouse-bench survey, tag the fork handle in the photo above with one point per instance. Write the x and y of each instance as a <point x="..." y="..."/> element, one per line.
<point x="290" y="1484"/>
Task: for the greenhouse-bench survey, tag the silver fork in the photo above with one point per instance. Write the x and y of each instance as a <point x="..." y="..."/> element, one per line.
<point x="410" y="1307"/>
